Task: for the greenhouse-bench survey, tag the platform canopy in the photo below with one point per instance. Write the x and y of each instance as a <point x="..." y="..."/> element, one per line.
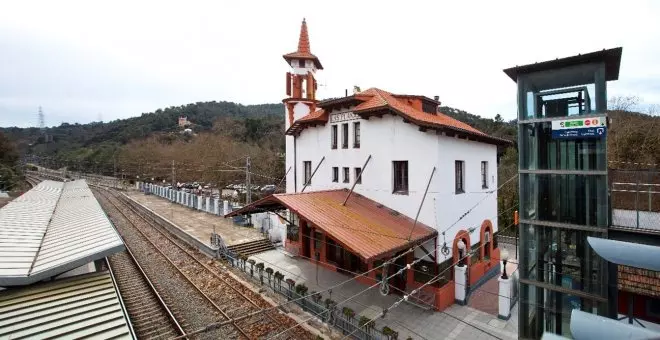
<point x="363" y="226"/>
<point x="84" y="306"/>
<point x="51" y="229"/>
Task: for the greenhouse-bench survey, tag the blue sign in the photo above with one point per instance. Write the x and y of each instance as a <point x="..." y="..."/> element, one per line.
<point x="590" y="132"/>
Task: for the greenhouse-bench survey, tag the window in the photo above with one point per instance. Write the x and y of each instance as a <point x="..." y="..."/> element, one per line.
<point x="301" y="63"/>
<point x="358" y="179"/>
<point x="356" y="135"/>
<point x="307" y="167"/>
<point x="335" y="174"/>
<point x="460" y="186"/>
<point x="346" y="175"/>
<point x="333" y="136"/>
<point x="484" y="175"/>
<point x="400" y="177"/>
<point x="344" y="136"/>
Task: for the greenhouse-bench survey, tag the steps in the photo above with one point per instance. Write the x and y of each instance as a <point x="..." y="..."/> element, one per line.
<point x="252" y="247"/>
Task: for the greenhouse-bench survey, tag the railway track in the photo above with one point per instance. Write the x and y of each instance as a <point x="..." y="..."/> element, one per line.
<point x="150" y="315"/>
<point x="230" y="298"/>
<point x="196" y="310"/>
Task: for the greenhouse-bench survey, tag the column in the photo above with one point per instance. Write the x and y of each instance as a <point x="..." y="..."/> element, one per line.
<point x="504" y="299"/>
<point x="209" y="209"/>
<point x="460" y="283"/>
<point x="216" y="206"/>
<point x="225" y="207"/>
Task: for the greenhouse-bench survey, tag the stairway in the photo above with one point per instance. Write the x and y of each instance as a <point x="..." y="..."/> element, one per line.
<point x="252" y="247"/>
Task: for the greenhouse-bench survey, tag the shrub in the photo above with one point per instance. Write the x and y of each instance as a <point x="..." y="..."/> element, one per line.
<point x="269" y="271"/>
<point x="348" y="312"/>
<point x="366" y="322"/>
<point x="390" y="332"/>
<point x="260" y="266"/>
<point x="330" y="303"/>
<point x="301" y="289"/>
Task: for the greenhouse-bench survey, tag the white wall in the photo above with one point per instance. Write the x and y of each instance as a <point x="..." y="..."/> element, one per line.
<point x="388" y="139"/>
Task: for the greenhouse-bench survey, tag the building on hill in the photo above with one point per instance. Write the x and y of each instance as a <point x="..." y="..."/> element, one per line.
<point x="183" y="121"/>
<point x="415" y="176"/>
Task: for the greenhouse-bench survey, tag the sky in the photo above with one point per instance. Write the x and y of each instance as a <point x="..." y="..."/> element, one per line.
<point x="86" y="61"/>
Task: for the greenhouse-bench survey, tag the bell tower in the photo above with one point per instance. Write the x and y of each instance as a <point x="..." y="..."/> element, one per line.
<point x="300" y="82"/>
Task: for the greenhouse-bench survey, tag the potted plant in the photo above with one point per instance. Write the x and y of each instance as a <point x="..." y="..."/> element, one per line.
<point x="291" y="283"/>
<point x="348" y="312"/>
<point x="301" y="289"/>
<point x="366" y="322"/>
<point x="251" y="262"/>
<point x="390" y="333"/>
<point x="278" y="279"/>
<point x="269" y="272"/>
<point x="260" y="271"/>
<point x="316" y="297"/>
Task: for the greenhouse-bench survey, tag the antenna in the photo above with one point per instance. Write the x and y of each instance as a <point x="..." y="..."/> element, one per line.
<point x="42" y="123"/>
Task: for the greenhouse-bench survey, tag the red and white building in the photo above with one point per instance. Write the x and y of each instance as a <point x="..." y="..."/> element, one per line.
<point x="389" y="149"/>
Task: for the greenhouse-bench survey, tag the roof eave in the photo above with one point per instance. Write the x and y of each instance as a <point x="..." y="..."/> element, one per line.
<point x="611" y="58"/>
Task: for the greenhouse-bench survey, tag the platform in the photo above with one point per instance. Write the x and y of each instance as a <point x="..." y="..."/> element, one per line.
<point x="197" y="223"/>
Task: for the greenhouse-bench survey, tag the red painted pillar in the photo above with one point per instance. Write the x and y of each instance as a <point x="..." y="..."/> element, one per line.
<point x="323" y="248"/>
<point x="410" y="274"/>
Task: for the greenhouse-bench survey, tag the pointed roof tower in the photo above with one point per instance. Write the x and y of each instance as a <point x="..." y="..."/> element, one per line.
<point x="304" y="52"/>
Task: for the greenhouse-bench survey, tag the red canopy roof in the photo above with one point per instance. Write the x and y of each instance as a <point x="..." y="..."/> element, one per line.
<point x="363" y="226"/>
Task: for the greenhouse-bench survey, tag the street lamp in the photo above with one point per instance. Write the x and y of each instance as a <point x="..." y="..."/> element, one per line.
<point x="461" y="251"/>
<point x="505" y="257"/>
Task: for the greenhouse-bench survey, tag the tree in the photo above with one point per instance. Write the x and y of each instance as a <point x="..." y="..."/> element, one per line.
<point x="9" y="171"/>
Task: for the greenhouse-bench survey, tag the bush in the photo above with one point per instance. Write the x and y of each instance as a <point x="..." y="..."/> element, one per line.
<point x="366" y="322"/>
<point x="330" y="303"/>
<point x="390" y="332"/>
<point x="251" y="262"/>
<point x="269" y="270"/>
<point x="260" y="266"/>
<point x="348" y="312"/>
<point x="301" y="289"/>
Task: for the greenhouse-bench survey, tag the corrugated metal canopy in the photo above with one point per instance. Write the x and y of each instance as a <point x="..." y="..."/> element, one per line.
<point x="364" y="226"/>
<point x="627" y="253"/>
<point x="50" y="229"/>
<point x="85" y="306"/>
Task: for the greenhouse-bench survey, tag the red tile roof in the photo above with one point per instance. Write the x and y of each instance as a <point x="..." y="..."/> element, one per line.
<point x="363" y="226"/>
<point x="376" y="99"/>
<point x="304" y="50"/>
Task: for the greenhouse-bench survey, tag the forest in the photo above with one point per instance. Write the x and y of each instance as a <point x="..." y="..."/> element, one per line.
<point x="223" y="134"/>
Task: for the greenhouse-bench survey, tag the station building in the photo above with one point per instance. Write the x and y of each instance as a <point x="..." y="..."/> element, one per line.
<point x="373" y="174"/>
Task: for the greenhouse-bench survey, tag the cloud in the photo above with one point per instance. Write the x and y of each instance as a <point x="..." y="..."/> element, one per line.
<point x="78" y="59"/>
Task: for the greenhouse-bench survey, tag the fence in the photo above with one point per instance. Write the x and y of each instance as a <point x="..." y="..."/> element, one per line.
<point x="324" y="309"/>
<point x="635" y="199"/>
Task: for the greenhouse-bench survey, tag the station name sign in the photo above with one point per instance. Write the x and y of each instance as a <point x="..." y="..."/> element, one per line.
<point x="592" y="127"/>
<point x="343" y="116"/>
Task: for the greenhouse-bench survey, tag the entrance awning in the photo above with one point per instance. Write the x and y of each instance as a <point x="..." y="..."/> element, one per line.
<point x="363" y="226"/>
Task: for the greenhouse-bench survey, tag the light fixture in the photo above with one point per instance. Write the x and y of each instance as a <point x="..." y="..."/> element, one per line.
<point x="461" y="250"/>
<point x="504" y="255"/>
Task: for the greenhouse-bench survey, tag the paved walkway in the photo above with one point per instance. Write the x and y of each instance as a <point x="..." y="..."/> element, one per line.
<point x="456" y="322"/>
<point x="195" y="222"/>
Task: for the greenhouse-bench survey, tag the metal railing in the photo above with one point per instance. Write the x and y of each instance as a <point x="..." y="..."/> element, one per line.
<point x="332" y="315"/>
<point x="635" y="199"/>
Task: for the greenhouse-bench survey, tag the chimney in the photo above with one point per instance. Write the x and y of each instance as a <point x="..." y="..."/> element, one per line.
<point x="436" y="98"/>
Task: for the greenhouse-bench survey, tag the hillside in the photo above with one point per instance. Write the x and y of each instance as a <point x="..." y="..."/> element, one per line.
<point x="98" y="147"/>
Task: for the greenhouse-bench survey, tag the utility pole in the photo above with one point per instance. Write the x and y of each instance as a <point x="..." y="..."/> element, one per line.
<point x="173" y="174"/>
<point x="248" y="184"/>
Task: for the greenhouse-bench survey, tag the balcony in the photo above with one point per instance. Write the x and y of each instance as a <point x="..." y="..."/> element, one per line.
<point x="635" y="200"/>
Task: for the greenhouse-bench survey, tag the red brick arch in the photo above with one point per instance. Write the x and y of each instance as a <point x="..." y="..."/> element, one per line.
<point x="465" y="236"/>
<point x="486" y="225"/>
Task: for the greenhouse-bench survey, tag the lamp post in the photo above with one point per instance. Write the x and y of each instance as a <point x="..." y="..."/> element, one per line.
<point x="505" y="257"/>
<point x="461" y="252"/>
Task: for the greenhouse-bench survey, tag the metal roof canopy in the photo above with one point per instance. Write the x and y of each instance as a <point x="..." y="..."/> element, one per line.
<point x="51" y="229"/>
<point x="611" y="58"/>
<point x="84" y="306"/>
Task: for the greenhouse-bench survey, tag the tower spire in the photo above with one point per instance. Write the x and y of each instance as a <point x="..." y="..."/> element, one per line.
<point x="303" y="41"/>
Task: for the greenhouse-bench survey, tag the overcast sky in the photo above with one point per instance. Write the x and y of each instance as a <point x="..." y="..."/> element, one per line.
<point x="82" y="60"/>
